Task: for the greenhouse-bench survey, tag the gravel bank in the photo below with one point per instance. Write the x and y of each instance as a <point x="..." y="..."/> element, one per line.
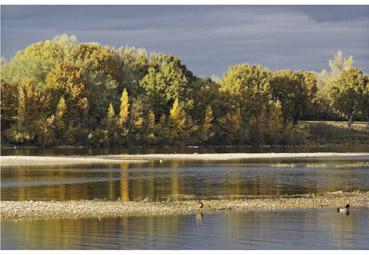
<point x="95" y="208"/>
<point x="142" y="158"/>
<point x="240" y="156"/>
<point x="45" y="160"/>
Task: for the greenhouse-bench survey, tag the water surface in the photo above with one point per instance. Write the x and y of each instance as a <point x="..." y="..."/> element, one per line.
<point x="281" y="229"/>
<point x="180" y="180"/>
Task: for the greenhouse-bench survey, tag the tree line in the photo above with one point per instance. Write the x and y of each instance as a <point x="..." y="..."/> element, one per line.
<point x="62" y="92"/>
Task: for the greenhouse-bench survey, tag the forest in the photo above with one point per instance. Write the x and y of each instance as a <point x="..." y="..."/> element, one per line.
<point x="62" y="92"/>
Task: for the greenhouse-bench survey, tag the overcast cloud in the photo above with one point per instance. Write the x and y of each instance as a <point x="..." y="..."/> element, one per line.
<point x="207" y="38"/>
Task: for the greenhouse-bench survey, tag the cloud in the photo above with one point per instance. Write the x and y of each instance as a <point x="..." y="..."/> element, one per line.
<point x="207" y="38"/>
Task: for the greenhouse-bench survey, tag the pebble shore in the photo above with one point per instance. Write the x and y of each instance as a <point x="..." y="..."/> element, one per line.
<point x="61" y="160"/>
<point x="246" y="156"/>
<point x="144" y="158"/>
<point x="99" y="208"/>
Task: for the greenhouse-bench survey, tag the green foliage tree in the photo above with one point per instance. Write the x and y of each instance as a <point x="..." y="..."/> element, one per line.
<point x="62" y="92"/>
<point x="207" y="128"/>
<point x="137" y="121"/>
<point x="167" y="79"/>
<point x="364" y="101"/>
<point x="9" y="104"/>
<point x="36" y="60"/>
<point x="152" y="130"/>
<point x="249" y="88"/>
<point x="231" y="125"/>
<point x="314" y="108"/>
<point x="347" y="93"/>
<point x="337" y="64"/>
<point x="289" y="88"/>
<point x="135" y="65"/>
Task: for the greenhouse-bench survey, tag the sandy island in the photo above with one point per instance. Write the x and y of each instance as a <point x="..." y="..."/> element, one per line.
<point x="99" y="208"/>
<point x="142" y="158"/>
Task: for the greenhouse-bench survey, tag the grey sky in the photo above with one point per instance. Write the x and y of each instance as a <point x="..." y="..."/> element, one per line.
<point x="207" y="38"/>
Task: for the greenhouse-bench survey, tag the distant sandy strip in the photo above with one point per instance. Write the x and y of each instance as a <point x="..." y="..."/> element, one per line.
<point x="142" y="158"/>
<point x="65" y="160"/>
<point x="244" y="156"/>
<point x="95" y="208"/>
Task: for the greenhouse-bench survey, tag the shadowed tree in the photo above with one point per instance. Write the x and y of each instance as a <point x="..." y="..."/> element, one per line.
<point x="289" y="89"/>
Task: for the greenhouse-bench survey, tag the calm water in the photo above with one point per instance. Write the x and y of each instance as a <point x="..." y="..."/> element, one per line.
<point x="180" y="181"/>
<point x="284" y="229"/>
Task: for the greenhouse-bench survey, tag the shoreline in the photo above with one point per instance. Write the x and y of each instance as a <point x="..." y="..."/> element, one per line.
<point x="145" y="158"/>
<point x="245" y="156"/>
<point x="99" y="208"/>
<point x="62" y="160"/>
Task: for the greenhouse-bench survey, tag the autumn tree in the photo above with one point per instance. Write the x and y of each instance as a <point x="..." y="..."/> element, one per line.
<point x="364" y="101"/>
<point x="62" y="92"/>
<point x="59" y="120"/>
<point x="347" y="93"/>
<point x="110" y="117"/>
<point x="180" y="123"/>
<point x="231" y="124"/>
<point x="134" y="67"/>
<point x="137" y="120"/>
<point x="289" y="89"/>
<point x="207" y="127"/>
<point x="9" y="104"/>
<point x="326" y="78"/>
<point x="249" y="87"/>
<point x="124" y="109"/>
<point x="166" y="80"/>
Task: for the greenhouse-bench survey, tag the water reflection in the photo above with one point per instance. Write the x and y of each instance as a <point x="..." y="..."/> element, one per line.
<point x="199" y="216"/>
<point x="285" y="229"/>
<point x="124" y="184"/>
<point x="176" y="180"/>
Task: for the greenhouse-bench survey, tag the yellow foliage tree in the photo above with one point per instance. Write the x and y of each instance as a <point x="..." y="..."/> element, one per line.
<point x="124" y="109"/>
<point x="61" y="109"/>
<point x="180" y="122"/>
<point x="110" y="117"/>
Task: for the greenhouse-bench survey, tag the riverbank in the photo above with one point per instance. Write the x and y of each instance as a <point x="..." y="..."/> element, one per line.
<point x="66" y="160"/>
<point x="244" y="156"/>
<point x="96" y="208"/>
<point x="143" y="158"/>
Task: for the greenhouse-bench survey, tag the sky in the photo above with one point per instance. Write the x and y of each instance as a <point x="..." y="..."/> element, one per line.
<point x="206" y="38"/>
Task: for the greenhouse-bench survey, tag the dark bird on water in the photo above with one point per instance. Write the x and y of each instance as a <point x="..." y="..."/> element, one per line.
<point x="201" y="205"/>
<point x="344" y="209"/>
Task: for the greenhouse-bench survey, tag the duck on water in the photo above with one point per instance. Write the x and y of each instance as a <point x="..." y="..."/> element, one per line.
<point x="201" y="205"/>
<point x="344" y="209"/>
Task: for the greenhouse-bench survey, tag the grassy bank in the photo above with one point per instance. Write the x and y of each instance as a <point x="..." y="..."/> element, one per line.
<point x="94" y="208"/>
<point x="334" y="133"/>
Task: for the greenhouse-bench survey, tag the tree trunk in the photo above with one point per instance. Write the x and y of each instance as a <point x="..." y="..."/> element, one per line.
<point x="349" y="121"/>
<point x="367" y="122"/>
